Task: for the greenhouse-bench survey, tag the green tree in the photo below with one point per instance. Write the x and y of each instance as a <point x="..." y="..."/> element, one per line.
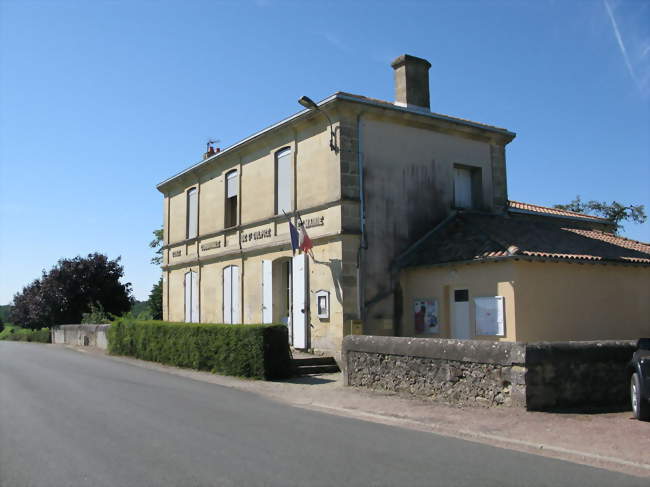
<point x="155" y="301"/>
<point x="157" y="243"/>
<point x="615" y="212"/>
<point x="70" y="289"/>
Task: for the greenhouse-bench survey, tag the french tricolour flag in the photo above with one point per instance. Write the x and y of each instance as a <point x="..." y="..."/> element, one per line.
<point x="305" y="244"/>
<point x="299" y="238"/>
<point x="295" y="237"/>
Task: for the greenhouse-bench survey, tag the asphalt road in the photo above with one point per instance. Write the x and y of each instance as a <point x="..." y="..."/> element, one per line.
<point x="72" y="419"/>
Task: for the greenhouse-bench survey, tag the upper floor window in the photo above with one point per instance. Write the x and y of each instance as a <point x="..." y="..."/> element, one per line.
<point x="467" y="187"/>
<point x="232" y="190"/>
<point x="192" y="212"/>
<point x="283" y="181"/>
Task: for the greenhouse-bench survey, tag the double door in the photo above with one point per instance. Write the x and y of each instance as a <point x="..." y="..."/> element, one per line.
<point x="285" y="296"/>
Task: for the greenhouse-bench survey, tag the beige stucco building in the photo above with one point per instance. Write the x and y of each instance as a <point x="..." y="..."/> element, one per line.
<point x="533" y="275"/>
<point x="372" y="181"/>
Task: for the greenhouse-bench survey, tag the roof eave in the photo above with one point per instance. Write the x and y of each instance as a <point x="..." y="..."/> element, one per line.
<point x="536" y="258"/>
<point x="508" y="136"/>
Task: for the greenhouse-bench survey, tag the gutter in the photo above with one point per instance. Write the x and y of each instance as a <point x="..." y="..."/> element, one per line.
<point x="330" y="99"/>
<point x="363" y="244"/>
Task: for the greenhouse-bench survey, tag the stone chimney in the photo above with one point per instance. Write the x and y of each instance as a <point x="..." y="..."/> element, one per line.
<point x="411" y="82"/>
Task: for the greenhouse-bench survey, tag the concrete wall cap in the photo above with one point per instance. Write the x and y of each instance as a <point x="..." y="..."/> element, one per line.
<point x="480" y="351"/>
<point x="582" y="351"/>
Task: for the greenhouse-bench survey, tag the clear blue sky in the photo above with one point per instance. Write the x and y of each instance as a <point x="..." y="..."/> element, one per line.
<point x="101" y="100"/>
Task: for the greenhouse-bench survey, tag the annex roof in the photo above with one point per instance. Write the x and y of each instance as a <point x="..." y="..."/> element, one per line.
<point x="519" y="207"/>
<point x="478" y="236"/>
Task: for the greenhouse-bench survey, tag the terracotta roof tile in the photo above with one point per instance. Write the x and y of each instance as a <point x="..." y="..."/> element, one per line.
<point x="475" y="236"/>
<point x="545" y="210"/>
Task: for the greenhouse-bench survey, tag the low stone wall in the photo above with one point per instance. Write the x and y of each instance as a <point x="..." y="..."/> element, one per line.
<point x="81" y="335"/>
<point x="537" y="376"/>
<point x="577" y="374"/>
<point x="464" y="372"/>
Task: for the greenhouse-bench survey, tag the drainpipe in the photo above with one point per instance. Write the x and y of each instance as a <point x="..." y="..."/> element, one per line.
<point x="363" y="245"/>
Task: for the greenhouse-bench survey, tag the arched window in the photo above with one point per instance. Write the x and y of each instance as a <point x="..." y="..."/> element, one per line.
<point x="231" y="294"/>
<point x="283" y="181"/>
<point x="192" y="212"/>
<point x="232" y="190"/>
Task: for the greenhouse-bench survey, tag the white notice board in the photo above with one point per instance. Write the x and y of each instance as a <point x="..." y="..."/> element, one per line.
<point x="489" y="315"/>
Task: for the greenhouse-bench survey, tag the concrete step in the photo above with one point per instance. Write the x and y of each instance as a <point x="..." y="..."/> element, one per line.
<point x="316" y="369"/>
<point x="314" y="365"/>
<point x="299" y="362"/>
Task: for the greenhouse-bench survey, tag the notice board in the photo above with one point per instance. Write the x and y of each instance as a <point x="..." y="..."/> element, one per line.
<point x="489" y="315"/>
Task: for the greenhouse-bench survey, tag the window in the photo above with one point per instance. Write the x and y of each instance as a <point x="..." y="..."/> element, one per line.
<point x="232" y="190"/>
<point x="192" y="212"/>
<point x="231" y="294"/>
<point x="467" y="187"/>
<point x="283" y="181"/>
<point x="191" y="297"/>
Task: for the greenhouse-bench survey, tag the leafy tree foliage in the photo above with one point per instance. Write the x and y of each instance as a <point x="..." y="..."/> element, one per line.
<point x="155" y="301"/>
<point x="157" y="243"/>
<point x="70" y="289"/>
<point x="615" y="212"/>
<point x="155" y="297"/>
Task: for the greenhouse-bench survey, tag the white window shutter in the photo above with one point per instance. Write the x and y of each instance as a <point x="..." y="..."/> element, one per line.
<point x="267" y="291"/>
<point x="232" y="183"/>
<point x="236" y="316"/>
<point x="195" y="297"/>
<point x="188" y="297"/>
<point x="462" y="188"/>
<point x="283" y="182"/>
<point x="227" y="295"/>
<point x="192" y="212"/>
<point x="300" y="311"/>
<point x="231" y="307"/>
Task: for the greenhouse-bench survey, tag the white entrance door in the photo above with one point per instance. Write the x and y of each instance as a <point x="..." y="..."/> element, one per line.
<point x="191" y="297"/>
<point x="300" y="303"/>
<point x="231" y="295"/>
<point x="460" y="328"/>
<point x="267" y="291"/>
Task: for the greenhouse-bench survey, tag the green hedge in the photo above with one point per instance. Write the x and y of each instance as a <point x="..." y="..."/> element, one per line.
<point x="256" y="351"/>
<point x="17" y="334"/>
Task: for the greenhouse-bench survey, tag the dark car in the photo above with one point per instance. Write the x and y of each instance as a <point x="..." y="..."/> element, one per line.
<point x="639" y="375"/>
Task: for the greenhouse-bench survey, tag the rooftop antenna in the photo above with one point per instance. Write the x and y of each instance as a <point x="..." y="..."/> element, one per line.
<point x="209" y="144"/>
<point x="210" y="149"/>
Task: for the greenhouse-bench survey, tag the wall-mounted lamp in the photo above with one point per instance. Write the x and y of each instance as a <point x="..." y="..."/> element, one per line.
<point x="310" y="104"/>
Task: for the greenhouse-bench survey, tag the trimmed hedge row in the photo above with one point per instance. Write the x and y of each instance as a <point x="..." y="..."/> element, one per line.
<point x="26" y="335"/>
<point x="255" y="351"/>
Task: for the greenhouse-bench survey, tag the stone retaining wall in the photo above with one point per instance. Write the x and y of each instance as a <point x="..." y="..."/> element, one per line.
<point x="485" y="373"/>
<point x="81" y="335"/>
